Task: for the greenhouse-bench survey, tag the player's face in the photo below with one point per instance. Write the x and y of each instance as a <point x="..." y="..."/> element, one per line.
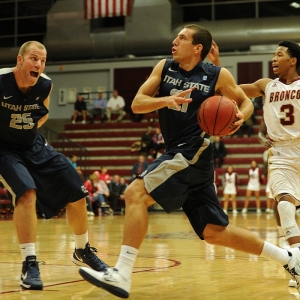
<point x="182" y="46"/>
<point x="281" y="62"/>
<point x="32" y="64"/>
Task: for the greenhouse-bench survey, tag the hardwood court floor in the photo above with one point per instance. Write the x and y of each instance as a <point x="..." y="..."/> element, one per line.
<point x="172" y="264"/>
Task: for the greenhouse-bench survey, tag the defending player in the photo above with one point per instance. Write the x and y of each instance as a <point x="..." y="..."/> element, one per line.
<point x="31" y="169"/>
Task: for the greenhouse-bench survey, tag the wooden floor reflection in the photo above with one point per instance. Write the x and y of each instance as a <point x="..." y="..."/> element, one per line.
<point x="172" y="264"/>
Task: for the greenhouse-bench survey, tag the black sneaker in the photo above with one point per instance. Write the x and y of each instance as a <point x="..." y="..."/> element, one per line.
<point x="87" y="258"/>
<point x="30" y="277"/>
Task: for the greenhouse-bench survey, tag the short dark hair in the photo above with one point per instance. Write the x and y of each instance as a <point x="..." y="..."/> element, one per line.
<point x="201" y="36"/>
<point x="293" y="50"/>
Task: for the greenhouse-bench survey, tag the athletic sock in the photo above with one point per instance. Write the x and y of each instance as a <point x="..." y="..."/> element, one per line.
<point x="126" y="261"/>
<point x="27" y="249"/>
<point x="81" y="240"/>
<point x="275" y="253"/>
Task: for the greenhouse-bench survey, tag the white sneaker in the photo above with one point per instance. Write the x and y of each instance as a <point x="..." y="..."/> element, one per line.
<point x="258" y="211"/>
<point x="292" y="283"/>
<point x="73" y="122"/>
<point x="110" y="280"/>
<point x="83" y="122"/>
<point x="225" y="211"/>
<point x="293" y="266"/>
<point x="244" y="210"/>
<point x="235" y="212"/>
<point x="90" y="213"/>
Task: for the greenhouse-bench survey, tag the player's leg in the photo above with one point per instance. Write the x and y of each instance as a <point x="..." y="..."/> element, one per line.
<point x="233" y="202"/>
<point x="247" y="199"/>
<point x="19" y="182"/>
<point x="257" y="201"/>
<point x="226" y="200"/>
<point x="117" y="280"/>
<point x="244" y="240"/>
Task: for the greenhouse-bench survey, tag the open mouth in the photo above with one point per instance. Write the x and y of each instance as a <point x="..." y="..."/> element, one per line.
<point x="34" y="74"/>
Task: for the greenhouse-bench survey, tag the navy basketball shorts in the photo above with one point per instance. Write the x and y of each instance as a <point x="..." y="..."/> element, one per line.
<point x="185" y="178"/>
<point x="47" y="171"/>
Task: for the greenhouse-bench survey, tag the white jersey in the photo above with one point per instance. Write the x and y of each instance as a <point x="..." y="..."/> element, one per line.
<point x="253" y="183"/>
<point x="282" y="110"/>
<point x="230" y="183"/>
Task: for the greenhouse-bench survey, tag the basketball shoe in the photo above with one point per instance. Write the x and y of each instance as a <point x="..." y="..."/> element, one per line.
<point x="110" y="280"/>
<point x="30" y="276"/>
<point x="87" y="257"/>
<point x="293" y="266"/>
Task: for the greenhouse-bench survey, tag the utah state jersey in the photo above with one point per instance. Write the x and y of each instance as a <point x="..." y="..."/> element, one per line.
<point x="180" y="127"/>
<point x="19" y="112"/>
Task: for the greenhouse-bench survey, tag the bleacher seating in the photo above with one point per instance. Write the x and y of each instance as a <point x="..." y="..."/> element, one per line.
<point x="109" y="144"/>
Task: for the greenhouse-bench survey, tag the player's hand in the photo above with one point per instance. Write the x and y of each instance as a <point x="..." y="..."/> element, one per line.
<point x="238" y="121"/>
<point x="264" y="140"/>
<point x="214" y="54"/>
<point x="174" y="101"/>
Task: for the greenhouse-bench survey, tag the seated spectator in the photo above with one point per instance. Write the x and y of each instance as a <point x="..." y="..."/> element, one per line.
<point x="79" y="107"/>
<point x="114" y="192"/>
<point x="89" y="186"/>
<point x="99" y="108"/>
<point x="115" y="105"/>
<point x="123" y="186"/>
<point x="103" y="175"/>
<point x="100" y="191"/>
<point x="73" y="160"/>
<point x="158" y="142"/>
<point x="139" y="167"/>
<point x="219" y="152"/>
<point x="146" y="141"/>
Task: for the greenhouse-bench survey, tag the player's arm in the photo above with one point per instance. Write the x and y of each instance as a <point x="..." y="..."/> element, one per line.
<point x="255" y="89"/>
<point x="227" y="86"/>
<point x="214" y="55"/>
<point x="145" y="102"/>
<point x="262" y="134"/>
<point x="46" y="103"/>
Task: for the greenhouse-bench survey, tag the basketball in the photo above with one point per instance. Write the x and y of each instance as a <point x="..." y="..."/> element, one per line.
<point x="216" y="115"/>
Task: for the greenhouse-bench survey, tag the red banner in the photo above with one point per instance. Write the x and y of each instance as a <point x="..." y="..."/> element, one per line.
<point x="94" y="9"/>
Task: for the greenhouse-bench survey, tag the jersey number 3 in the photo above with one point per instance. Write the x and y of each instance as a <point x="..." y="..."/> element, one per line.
<point x="289" y="118"/>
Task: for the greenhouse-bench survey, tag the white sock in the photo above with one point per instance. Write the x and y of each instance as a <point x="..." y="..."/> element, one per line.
<point x="275" y="253"/>
<point x="27" y="249"/>
<point x="81" y="240"/>
<point x="126" y="261"/>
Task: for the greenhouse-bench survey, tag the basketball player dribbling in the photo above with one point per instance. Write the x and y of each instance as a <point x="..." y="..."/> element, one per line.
<point x="184" y="175"/>
<point x="31" y="169"/>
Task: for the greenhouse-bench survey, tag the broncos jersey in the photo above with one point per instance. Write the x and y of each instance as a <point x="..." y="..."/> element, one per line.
<point x="180" y="127"/>
<point x="19" y="112"/>
<point x="282" y="110"/>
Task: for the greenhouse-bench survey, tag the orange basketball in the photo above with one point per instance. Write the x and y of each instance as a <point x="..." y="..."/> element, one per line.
<point x="216" y="115"/>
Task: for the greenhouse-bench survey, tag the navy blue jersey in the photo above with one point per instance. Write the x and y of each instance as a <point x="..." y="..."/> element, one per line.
<point x="180" y="127"/>
<point x="19" y="112"/>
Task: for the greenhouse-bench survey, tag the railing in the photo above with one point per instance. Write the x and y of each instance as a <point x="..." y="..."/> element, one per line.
<point x="64" y="145"/>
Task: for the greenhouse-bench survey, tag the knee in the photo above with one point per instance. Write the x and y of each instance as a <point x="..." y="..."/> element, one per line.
<point x="27" y="199"/>
<point x="135" y="194"/>
<point x="212" y="234"/>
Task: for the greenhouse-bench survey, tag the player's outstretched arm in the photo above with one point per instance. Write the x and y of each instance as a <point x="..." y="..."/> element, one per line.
<point x="145" y="102"/>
